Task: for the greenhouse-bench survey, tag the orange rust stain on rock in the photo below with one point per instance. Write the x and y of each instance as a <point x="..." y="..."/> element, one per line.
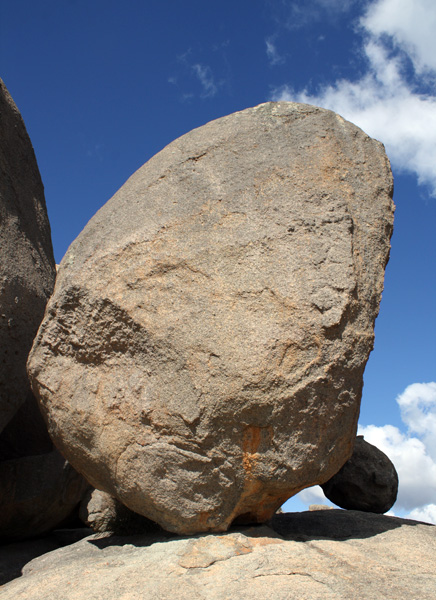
<point x="252" y="438"/>
<point x="264" y="541"/>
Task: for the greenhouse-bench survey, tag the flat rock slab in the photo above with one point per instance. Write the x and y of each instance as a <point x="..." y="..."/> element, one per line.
<point x="201" y="358"/>
<point x="333" y="555"/>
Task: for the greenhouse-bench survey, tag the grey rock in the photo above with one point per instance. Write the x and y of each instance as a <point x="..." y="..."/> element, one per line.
<point x="334" y="555"/>
<point x="36" y="494"/>
<point x="368" y="481"/>
<point x="27" y="266"/>
<point x="212" y="365"/>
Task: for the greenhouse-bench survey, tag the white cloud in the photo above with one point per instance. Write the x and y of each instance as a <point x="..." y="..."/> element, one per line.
<point x="418" y="411"/>
<point x="426" y="514"/>
<point x="313" y="495"/>
<point x="386" y="102"/>
<point x="205" y="77"/>
<point x="411" y="24"/>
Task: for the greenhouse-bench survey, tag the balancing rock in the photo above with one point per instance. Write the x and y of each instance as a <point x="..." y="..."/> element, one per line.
<point x="201" y="357"/>
<point x="368" y="481"/>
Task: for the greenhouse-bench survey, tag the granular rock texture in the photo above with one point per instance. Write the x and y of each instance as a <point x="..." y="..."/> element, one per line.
<point x="201" y="358"/>
<point x="368" y="481"/>
<point x="27" y="266"/>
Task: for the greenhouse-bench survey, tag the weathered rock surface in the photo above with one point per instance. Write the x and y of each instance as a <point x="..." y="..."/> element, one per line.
<point x="27" y="266"/>
<point x="333" y="555"/>
<point x="368" y="481"/>
<point x="211" y="366"/>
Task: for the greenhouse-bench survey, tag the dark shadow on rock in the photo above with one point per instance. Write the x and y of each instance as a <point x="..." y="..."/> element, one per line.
<point x="306" y="526"/>
<point x="335" y="524"/>
<point x="14" y="556"/>
<point x="303" y="527"/>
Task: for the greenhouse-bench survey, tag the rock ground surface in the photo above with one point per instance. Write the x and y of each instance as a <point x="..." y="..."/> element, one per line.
<point x="211" y="366"/>
<point x="323" y="555"/>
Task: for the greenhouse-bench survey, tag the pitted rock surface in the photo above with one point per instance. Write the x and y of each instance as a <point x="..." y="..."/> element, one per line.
<point x="201" y="358"/>
<point x="27" y="266"/>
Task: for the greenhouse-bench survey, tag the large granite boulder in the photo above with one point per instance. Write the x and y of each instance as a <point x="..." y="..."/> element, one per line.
<point x="332" y="554"/>
<point x="368" y="481"/>
<point x="201" y="357"/>
<point x="27" y="266"/>
<point x="38" y="488"/>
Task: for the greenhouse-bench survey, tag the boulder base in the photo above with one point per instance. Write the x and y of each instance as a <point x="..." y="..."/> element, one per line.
<point x="201" y="358"/>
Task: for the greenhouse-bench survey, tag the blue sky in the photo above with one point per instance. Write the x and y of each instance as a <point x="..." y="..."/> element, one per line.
<point x="103" y="86"/>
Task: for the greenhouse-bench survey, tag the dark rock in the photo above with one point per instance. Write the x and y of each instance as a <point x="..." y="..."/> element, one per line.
<point x="36" y="494"/>
<point x="27" y="265"/>
<point x="38" y="488"/>
<point x="368" y="481"/>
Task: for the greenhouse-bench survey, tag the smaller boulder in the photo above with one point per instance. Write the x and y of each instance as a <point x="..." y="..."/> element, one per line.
<point x="105" y="514"/>
<point x="368" y="481"/>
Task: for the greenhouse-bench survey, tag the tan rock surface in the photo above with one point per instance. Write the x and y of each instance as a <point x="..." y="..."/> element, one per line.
<point x="334" y="555"/>
<point x="201" y="358"/>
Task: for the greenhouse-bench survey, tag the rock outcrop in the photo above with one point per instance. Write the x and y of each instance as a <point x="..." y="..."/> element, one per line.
<point x="329" y="554"/>
<point x="212" y="365"/>
<point x="27" y="266"/>
<point x="368" y="481"/>
<point x="38" y="488"/>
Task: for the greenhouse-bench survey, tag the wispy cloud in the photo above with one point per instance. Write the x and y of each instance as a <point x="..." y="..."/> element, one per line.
<point x="194" y="78"/>
<point x="206" y="79"/>
<point x="272" y="53"/>
<point x="293" y="14"/>
<point x="395" y="99"/>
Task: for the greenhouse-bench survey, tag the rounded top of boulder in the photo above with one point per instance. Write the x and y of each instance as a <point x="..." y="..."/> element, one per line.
<point x="244" y="144"/>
